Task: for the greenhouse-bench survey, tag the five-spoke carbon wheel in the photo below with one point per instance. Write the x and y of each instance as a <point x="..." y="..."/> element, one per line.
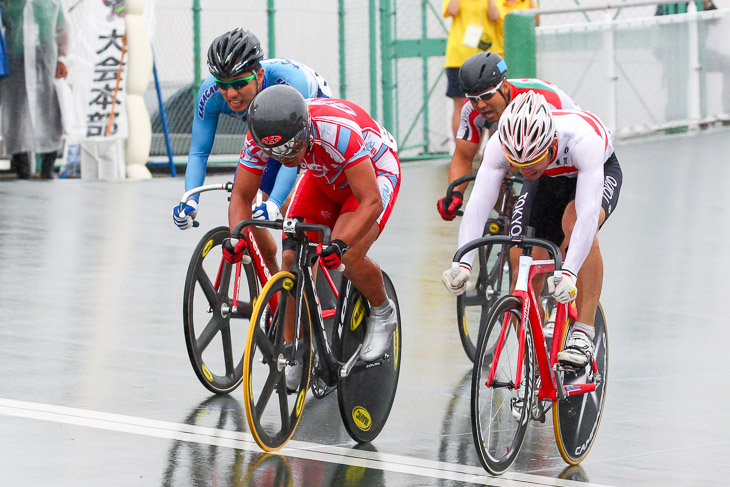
<point x="215" y="327"/>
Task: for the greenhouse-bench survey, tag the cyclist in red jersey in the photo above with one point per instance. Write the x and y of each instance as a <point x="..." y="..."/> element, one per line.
<point x="350" y="183"/>
<point x="488" y="92"/>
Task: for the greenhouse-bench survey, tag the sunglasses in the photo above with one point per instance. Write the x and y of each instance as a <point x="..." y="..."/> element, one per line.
<point x="545" y="154"/>
<point x="236" y="84"/>
<point x="487" y="95"/>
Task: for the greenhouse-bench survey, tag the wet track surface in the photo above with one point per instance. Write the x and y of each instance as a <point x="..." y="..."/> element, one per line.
<point x="97" y="387"/>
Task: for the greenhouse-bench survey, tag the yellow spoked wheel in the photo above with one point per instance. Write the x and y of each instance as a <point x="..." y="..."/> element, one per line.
<point x="273" y="410"/>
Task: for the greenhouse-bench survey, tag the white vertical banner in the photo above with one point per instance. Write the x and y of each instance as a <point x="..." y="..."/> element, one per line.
<point x="101" y="59"/>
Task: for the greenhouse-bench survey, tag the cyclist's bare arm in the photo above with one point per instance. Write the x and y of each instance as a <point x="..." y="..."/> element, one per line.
<point x="244" y="191"/>
<point x="362" y="181"/>
<point x="461" y="161"/>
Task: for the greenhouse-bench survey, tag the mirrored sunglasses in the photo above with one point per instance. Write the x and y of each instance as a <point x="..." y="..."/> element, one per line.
<point x="485" y="95"/>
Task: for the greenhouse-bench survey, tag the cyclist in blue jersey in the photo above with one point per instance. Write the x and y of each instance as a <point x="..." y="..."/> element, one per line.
<point x="238" y="74"/>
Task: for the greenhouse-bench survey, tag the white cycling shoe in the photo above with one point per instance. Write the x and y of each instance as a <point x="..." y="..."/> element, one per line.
<point x="379" y="333"/>
<point x="293" y="376"/>
<point x="578" y="351"/>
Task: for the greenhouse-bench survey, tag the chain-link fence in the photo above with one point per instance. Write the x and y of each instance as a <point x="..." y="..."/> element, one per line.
<point x="387" y="56"/>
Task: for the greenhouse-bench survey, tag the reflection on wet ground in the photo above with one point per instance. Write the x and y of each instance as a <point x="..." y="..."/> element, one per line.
<point x="98" y="389"/>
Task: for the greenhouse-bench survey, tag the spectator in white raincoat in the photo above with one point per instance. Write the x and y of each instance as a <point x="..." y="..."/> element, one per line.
<point x="37" y="41"/>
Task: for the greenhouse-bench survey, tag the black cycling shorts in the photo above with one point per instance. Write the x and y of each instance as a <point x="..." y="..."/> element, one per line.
<point x="542" y="202"/>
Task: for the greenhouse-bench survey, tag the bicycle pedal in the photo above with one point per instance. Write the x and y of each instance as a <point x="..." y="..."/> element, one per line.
<point x="347" y="367"/>
<point x="572" y="369"/>
<point x="538" y="414"/>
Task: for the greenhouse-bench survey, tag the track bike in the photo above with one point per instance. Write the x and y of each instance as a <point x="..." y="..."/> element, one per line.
<point x="517" y="378"/>
<point x="494" y="272"/>
<point x="218" y="301"/>
<point x="329" y="358"/>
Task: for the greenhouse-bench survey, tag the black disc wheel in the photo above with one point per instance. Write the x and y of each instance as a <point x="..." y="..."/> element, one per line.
<point x="500" y="411"/>
<point x="366" y="396"/>
<point x="490" y="282"/>
<point x="576" y="418"/>
<point x="273" y="408"/>
<point x="215" y="327"/>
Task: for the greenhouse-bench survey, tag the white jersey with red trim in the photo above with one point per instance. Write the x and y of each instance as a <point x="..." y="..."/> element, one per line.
<point x="472" y="123"/>
<point x="343" y="134"/>
<point x="584" y="145"/>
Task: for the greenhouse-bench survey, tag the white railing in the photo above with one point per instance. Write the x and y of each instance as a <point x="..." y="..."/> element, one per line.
<point x="644" y="74"/>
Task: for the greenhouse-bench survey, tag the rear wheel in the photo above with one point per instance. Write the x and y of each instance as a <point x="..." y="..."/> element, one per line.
<point x="366" y="396"/>
<point x="215" y="331"/>
<point x="491" y="282"/>
<point x="272" y="410"/>
<point x="500" y="412"/>
<point x="576" y="418"/>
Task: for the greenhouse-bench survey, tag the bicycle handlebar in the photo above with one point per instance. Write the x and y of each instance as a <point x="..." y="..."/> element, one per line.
<point x="458" y="181"/>
<point x="287" y="225"/>
<point x="201" y="189"/>
<point x="551" y="248"/>
<point x="512" y="178"/>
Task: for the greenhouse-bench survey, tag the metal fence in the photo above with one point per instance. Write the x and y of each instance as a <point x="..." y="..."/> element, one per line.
<point x="386" y="55"/>
<point x="638" y="72"/>
<point x="641" y="74"/>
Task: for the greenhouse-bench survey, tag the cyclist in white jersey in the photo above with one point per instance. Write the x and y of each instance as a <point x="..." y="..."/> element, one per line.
<point x="572" y="185"/>
<point x="488" y="91"/>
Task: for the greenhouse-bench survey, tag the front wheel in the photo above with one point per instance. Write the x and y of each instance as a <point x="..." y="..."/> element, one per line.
<point x="272" y="409"/>
<point x="576" y="418"/>
<point x="500" y="412"/>
<point x="215" y="327"/>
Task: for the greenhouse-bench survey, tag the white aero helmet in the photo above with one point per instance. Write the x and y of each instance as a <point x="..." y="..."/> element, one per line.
<point x="526" y="128"/>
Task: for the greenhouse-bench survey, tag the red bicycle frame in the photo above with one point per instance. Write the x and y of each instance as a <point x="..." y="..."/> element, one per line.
<point x="549" y="389"/>
<point x="264" y="274"/>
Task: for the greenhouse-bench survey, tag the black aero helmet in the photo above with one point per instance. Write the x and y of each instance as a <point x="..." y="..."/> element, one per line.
<point x="235" y="52"/>
<point x="278" y="120"/>
<point x="482" y="71"/>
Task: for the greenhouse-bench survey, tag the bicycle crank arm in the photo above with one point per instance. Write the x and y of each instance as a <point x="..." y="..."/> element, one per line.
<point x="559" y="382"/>
<point x="347" y="366"/>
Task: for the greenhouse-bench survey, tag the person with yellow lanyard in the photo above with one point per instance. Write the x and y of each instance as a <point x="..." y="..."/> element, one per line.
<point x="477" y="25"/>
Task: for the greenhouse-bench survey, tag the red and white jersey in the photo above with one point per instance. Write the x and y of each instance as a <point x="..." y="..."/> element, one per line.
<point x="343" y="134"/>
<point x="584" y="145"/>
<point x="472" y="123"/>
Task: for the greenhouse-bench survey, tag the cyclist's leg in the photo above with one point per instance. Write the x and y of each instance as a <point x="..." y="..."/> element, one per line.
<point x="363" y="272"/>
<point x="307" y="203"/>
<point x="267" y="247"/>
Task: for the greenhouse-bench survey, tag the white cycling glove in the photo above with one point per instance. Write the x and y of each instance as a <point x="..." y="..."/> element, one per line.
<point x="562" y="286"/>
<point x="268" y="210"/>
<point x="456" y="278"/>
<point x="185" y="219"/>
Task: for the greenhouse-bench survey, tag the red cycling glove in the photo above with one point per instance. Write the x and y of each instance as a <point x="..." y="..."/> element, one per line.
<point x="332" y="254"/>
<point x="449" y="205"/>
<point x="233" y="249"/>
